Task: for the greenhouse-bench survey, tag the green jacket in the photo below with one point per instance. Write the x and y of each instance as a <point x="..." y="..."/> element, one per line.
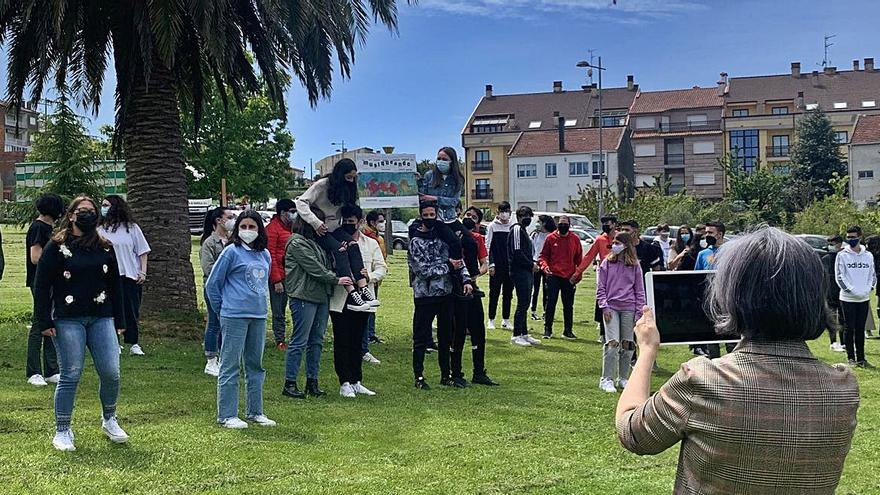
<point x="307" y="271"/>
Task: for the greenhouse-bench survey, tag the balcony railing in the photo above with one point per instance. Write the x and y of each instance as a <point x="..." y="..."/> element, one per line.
<point x="777" y="151"/>
<point x="481" y="194"/>
<point x="10" y="148"/>
<point x="708" y="125"/>
<point x="675" y="159"/>
<point x="481" y="165"/>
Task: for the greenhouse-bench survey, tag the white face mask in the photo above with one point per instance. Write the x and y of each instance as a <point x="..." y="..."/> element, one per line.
<point x="664" y="235"/>
<point x="504" y="216"/>
<point x="248" y="236"/>
<point x="229" y="225"/>
<point x="380" y="226"/>
<point x="617" y="248"/>
<point x="703" y="243"/>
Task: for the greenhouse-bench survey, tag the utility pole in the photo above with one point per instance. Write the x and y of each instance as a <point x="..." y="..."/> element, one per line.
<point x="601" y="198"/>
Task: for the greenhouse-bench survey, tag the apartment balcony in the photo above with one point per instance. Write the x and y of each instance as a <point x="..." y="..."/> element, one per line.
<point x="709" y="125"/>
<point x="481" y="194"/>
<point x="481" y="166"/>
<point x="675" y="159"/>
<point x="778" y="151"/>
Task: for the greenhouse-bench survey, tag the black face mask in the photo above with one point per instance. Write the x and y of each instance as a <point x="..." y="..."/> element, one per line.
<point x="429" y="223"/>
<point x="711" y="240"/>
<point x="349" y="228"/>
<point x="563" y="228"/>
<point x="606" y="228"/>
<point x="469" y="223"/>
<point x="86" y="221"/>
<point x="526" y="221"/>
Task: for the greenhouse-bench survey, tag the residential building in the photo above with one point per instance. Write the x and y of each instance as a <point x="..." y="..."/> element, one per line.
<point x="112" y="175"/>
<point x="761" y="112"/>
<point x="325" y="165"/>
<point x="677" y="137"/>
<point x="15" y="143"/>
<point x="499" y="121"/>
<point x="864" y="160"/>
<point x="548" y="167"/>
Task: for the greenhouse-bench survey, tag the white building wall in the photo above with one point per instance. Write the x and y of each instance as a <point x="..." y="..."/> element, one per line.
<point x="553" y="193"/>
<point x="865" y="159"/>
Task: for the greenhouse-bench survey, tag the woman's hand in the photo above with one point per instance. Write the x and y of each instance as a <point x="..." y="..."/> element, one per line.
<point x="345" y="281"/>
<point x="647" y="335"/>
<point x="491" y="271"/>
<point x="49" y="332"/>
<point x="322" y="229"/>
<point x="607" y="316"/>
<point x="366" y="274"/>
<point x="279" y="287"/>
<point x="427" y="197"/>
<point x="120" y="331"/>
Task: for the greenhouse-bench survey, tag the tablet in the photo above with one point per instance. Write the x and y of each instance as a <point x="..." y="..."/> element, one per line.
<point x="676" y="298"/>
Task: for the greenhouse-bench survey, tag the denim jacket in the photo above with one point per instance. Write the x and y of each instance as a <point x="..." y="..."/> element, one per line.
<point x="448" y="195"/>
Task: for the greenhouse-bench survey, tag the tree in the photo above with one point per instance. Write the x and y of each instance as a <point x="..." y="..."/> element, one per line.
<point x="249" y="146"/>
<point x="816" y="154"/>
<point x="762" y="190"/>
<point x="165" y="53"/>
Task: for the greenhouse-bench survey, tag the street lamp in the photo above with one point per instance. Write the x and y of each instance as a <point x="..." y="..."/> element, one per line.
<point x="341" y="145"/>
<point x="601" y="199"/>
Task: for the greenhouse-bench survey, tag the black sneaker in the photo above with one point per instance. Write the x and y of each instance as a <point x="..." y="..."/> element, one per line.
<point x="460" y="382"/>
<point x="569" y="335"/>
<point x="421" y="384"/>
<point x="357" y="303"/>
<point x="852" y="363"/>
<point x="313" y="389"/>
<point x="447" y="382"/>
<point x="864" y="364"/>
<point x="291" y="390"/>
<point x="535" y="316"/>
<point x="432" y="348"/>
<point x="368" y="297"/>
<point x="376" y="340"/>
<point x="483" y="379"/>
<point x="548" y="335"/>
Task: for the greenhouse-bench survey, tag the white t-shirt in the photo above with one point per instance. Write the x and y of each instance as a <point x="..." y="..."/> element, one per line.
<point x="129" y="244"/>
<point x="665" y="246"/>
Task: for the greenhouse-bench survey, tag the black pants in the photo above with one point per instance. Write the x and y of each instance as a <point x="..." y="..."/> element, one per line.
<point x="501" y="280"/>
<point x="539" y="283"/>
<point x="833" y="331"/>
<point x="854" y="317"/>
<point x="714" y="350"/>
<point x="424" y="314"/>
<point x="132" y="294"/>
<point x="599" y="317"/>
<point x="348" y="329"/>
<point x="50" y="360"/>
<point x="469" y="319"/>
<point x="522" y="284"/>
<point x="553" y="288"/>
<point x="348" y="262"/>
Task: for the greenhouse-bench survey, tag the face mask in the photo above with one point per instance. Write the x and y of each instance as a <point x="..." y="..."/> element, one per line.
<point x="606" y="228"/>
<point x="703" y="243"/>
<point x="711" y="241"/>
<point x="248" y="236"/>
<point x="229" y="225"/>
<point x="617" y="248"/>
<point x="469" y="223"/>
<point x="380" y="226"/>
<point x="104" y="210"/>
<point x="430" y="223"/>
<point x="291" y="216"/>
<point x="443" y="166"/>
<point x="664" y="235"/>
<point x="563" y="228"/>
<point x="526" y="221"/>
<point x="349" y="228"/>
<point x="852" y="242"/>
<point x="504" y="216"/>
<point x="685" y="237"/>
<point x="86" y="221"/>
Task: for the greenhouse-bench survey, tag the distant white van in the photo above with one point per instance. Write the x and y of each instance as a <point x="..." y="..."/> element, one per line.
<point x="577" y="221"/>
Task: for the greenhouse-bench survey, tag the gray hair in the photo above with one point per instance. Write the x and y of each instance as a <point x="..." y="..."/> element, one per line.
<point x="768" y="285"/>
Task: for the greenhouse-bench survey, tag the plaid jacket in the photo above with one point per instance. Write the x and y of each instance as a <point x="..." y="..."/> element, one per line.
<point x="768" y="418"/>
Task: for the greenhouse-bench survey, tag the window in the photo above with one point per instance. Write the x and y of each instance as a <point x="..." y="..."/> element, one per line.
<point x="598" y="166"/>
<point x="526" y="170"/>
<point x="33" y="120"/>
<point x="552" y="205"/>
<point x="578" y="168"/>
<point x="866" y="174"/>
<point x="740" y="112"/>
<point x="482" y="125"/>
<point x="696" y="120"/>
<point x="571" y="122"/>
<point x="780" y="146"/>
<point x="868" y="103"/>
<point x="744" y="147"/>
<point x="780" y="110"/>
<point x="645" y="123"/>
<point x="704" y="148"/>
<point x="645" y="150"/>
<point x="484" y="129"/>
<point x="812" y="106"/>
<point x="841" y="137"/>
<point x="550" y="170"/>
<point x="481" y="156"/>
<point x="839" y="105"/>
<point x="782" y="169"/>
<point x="482" y="161"/>
<point x="704" y="179"/>
<point x="614" y="118"/>
<point x="674" y="151"/>
<point x="675" y="176"/>
<point x="535" y="124"/>
<point x="483" y="189"/>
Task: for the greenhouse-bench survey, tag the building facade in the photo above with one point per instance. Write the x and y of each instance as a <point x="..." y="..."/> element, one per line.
<point x="111" y="175"/>
<point x="864" y="161"/>
<point x="325" y="165"/>
<point x="16" y="143"/>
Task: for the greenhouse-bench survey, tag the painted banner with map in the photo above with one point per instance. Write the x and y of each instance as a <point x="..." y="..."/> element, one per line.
<point x="387" y="181"/>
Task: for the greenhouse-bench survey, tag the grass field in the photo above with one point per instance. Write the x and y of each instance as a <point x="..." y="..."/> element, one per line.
<point x="546" y="430"/>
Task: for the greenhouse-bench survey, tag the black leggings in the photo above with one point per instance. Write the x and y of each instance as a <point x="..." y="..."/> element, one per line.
<point x="348" y="261"/>
<point x="540" y="283"/>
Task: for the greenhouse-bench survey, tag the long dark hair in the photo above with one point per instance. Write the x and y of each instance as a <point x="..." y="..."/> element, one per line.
<point x="118" y="214"/>
<point x="211" y="221"/>
<point x="454" y="169"/>
<point x="694" y="245"/>
<point x="304" y="228"/>
<point x="339" y="190"/>
<point x="680" y="245"/>
<point x="89" y="240"/>
<point x="262" y="240"/>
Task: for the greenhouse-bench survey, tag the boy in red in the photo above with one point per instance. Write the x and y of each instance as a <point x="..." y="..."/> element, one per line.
<point x="559" y="259"/>
<point x="278" y="231"/>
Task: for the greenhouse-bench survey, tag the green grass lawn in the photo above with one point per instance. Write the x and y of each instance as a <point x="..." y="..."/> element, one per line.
<point x="547" y="430"/>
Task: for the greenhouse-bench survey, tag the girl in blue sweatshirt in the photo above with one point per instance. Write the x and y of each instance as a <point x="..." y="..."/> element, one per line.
<point x="236" y="290"/>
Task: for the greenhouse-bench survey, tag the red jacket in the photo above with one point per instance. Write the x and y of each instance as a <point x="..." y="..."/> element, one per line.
<point x="278" y="234"/>
<point x="561" y="254"/>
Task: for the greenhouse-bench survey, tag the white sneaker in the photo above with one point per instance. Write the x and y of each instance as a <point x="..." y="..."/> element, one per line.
<point x="838" y="347"/>
<point x="520" y="341"/>
<point x="63" y="441"/>
<point x="233" y="423"/>
<point x="113" y="431"/>
<point x="212" y="367"/>
<point x="607" y="386"/>
<point x="37" y="380"/>
<point x="346" y="390"/>
<point x="136" y="350"/>
<point x="505" y="324"/>
<point x="369" y="358"/>
<point x="360" y="389"/>
<point x="120" y="350"/>
<point x="261" y="420"/>
<point x="54" y="378"/>
<point x="531" y="340"/>
<point x="490" y="325"/>
<point x="622" y="383"/>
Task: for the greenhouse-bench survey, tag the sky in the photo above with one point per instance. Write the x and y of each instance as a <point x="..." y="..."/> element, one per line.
<point x="416" y="89"/>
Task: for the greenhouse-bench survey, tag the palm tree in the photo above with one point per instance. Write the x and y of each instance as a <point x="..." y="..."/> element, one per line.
<point x="165" y="54"/>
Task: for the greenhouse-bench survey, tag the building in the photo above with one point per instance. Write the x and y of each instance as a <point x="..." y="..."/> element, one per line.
<point x="298" y="173"/>
<point x="761" y="112"/>
<point x="864" y="160"/>
<point x="325" y="165"/>
<point x="112" y="175"/>
<point x="547" y="168"/>
<point x="16" y="142"/>
<point x="499" y="121"/>
<point x="677" y="136"/>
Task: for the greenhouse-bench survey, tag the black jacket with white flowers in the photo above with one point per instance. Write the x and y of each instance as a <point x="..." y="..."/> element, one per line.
<point x="72" y="282"/>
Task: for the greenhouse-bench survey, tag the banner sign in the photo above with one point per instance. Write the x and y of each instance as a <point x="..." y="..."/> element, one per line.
<point x="387" y="181"/>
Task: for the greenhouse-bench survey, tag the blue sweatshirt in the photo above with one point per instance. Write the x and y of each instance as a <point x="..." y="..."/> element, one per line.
<point x="239" y="282"/>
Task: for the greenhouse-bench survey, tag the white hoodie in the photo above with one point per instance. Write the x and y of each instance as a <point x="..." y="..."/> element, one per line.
<point x="855" y="274"/>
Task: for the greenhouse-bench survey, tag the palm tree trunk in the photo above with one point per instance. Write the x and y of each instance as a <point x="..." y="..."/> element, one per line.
<point x="157" y="191"/>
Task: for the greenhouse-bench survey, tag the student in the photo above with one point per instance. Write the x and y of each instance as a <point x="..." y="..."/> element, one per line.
<point x="432" y="267"/>
<point x="600" y="250"/>
<point x="309" y="282"/>
<point x="237" y="289"/>
<point x="132" y="250"/>
<point x="835" y="245"/>
<point x="559" y="258"/>
<point x="219" y="224"/>
<point x="855" y="275"/>
<point x="664" y="242"/>
<point x="471" y="311"/>
<point x="348" y="330"/>
<point x="480" y="228"/>
<point x="78" y="300"/>
<point x="375" y="229"/>
<point x="522" y="269"/>
<point x="687" y="260"/>
<point x="679" y="248"/>
<point x="545" y="226"/>
<point x="50" y="208"/>
<point x="621" y="293"/>
<point x="278" y="231"/>
<point x="499" y="269"/>
<point x="714" y="239"/>
<point x="650" y="255"/>
<point x="330" y="193"/>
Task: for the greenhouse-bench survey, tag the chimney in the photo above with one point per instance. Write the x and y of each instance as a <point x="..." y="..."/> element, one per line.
<point x="557" y="86"/>
<point x="799" y="103"/>
<point x="869" y="64"/>
<point x="555" y="118"/>
<point x="630" y="82"/>
<point x="560" y="121"/>
<point x="795" y="69"/>
<point x="594" y="90"/>
<point x="856" y="64"/>
<point x="511" y="121"/>
<point x="815" y="78"/>
<point x="830" y="71"/>
<point x="488" y="91"/>
<point x="722" y="84"/>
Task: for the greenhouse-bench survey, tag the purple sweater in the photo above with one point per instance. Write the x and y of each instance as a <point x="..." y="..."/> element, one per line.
<point x="621" y="287"/>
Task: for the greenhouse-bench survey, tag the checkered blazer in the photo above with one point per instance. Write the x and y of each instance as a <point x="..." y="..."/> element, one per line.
<point x="768" y="418"/>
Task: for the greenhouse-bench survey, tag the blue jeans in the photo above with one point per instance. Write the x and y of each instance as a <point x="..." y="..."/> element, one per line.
<point x="278" y="301"/>
<point x="369" y="331"/>
<point x="309" y="326"/>
<point x="74" y="335"/>
<point x="212" y="331"/>
<point x="243" y="339"/>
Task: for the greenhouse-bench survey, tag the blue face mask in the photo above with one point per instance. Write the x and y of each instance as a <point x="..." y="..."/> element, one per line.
<point x="685" y="237"/>
<point x="852" y="242"/>
<point x="104" y="210"/>
<point x="443" y="166"/>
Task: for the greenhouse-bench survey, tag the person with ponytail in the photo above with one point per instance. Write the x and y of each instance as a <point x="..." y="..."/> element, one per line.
<point x="219" y="223"/>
